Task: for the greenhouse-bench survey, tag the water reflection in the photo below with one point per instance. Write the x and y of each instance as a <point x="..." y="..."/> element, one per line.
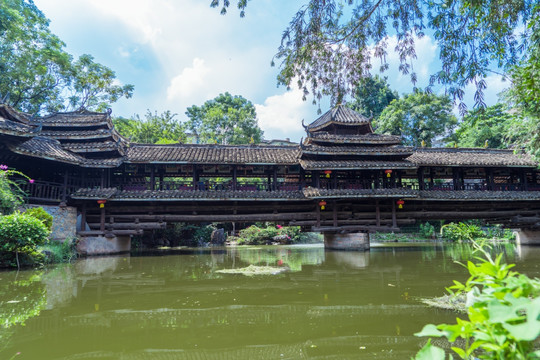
<point x="329" y="305"/>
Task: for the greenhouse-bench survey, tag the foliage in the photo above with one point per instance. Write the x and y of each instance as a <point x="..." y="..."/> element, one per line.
<point x="524" y="93"/>
<point x="417" y="117"/>
<point x="153" y="129"/>
<point x="461" y="232"/>
<point x="11" y="194"/>
<point x="42" y="215"/>
<point x="226" y="119"/>
<point x="503" y="313"/>
<point x="268" y="234"/>
<point x="94" y="86"/>
<point x="59" y="251"/>
<point x="330" y="45"/>
<point x="427" y="230"/>
<point x="484" y="126"/>
<point x="22" y="234"/>
<point x="203" y="234"/>
<point x="37" y="72"/>
<point x="372" y="96"/>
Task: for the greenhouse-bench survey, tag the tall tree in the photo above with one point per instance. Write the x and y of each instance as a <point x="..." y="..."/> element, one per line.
<point x="154" y="128"/>
<point x="329" y="45"/>
<point x="484" y="127"/>
<point x="226" y="119"/>
<point x="524" y="94"/>
<point x="38" y="74"/>
<point x="418" y="117"/>
<point x="372" y="95"/>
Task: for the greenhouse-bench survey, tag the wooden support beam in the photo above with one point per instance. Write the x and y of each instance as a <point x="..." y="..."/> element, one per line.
<point x="354" y="228"/>
<point x="83" y="217"/>
<point x="102" y="219"/>
<point x="131" y="225"/>
<point x="377" y="213"/>
<point x="219" y="218"/>
<point x="334" y="213"/>
<point x="394" y="216"/>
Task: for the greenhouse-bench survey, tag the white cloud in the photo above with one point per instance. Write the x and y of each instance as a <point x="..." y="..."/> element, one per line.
<point x="189" y="81"/>
<point x="281" y="115"/>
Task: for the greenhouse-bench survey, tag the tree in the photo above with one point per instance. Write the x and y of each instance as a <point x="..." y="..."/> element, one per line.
<point x="489" y="124"/>
<point x="524" y="94"/>
<point x="372" y="95"/>
<point x="417" y="117"/>
<point x="153" y="129"/>
<point x="330" y="45"/>
<point x="38" y="73"/>
<point x="226" y="119"/>
<point x="93" y="85"/>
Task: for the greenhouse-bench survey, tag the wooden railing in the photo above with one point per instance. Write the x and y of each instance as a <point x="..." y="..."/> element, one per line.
<point x="44" y="191"/>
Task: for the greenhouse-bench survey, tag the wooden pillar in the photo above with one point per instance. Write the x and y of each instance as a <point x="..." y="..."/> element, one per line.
<point x="318" y="215"/>
<point x="302" y="178"/>
<point x="274" y="181"/>
<point x="523" y="180"/>
<point x="102" y="185"/>
<point x="64" y="189"/>
<point x="316" y="178"/>
<point x="394" y="216"/>
<point x="108" y="178"/>
<point x="399" y="178"/>
<point x="421" y="185"/>
<point x="161" y="179"/>
<point x="269" y="181"/>
<point x="152" y="178"/>
<point x="195" y="178"/>
<point x="334" y="213"/>
<point x="377" y="213"/>
<point x="334" y="180"/>
<point x="234" y="178"/>
<point x="102" y="219"/>
<point x="83" y="217"/>
<point x="431" y="180"/>
<point x="489" y="178"/>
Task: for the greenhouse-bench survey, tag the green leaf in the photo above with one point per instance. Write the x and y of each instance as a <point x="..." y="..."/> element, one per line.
<point x="430" y="352"/>
<point x="430" y="330"/>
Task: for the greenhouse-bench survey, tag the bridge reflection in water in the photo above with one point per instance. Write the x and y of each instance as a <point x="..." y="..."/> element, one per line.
<point x="329" y="305"/>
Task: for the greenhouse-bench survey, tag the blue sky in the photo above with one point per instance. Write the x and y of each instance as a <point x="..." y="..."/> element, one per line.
<point x="180" y="53"/>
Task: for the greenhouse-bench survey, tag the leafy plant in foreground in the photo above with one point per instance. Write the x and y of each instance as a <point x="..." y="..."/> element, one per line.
<point x="503" y="314"/>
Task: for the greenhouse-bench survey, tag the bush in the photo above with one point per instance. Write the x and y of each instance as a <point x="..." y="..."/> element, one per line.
<point x="427" y="230"/>
<point x="503" y="314"/>
<point x="42" y="215"/>
<point x="11" y="195"/>
<point x="22" y="234"/>
<point x="461" y="231"/>
<point x="59" y="251"/>
<point x="203" y="234"/>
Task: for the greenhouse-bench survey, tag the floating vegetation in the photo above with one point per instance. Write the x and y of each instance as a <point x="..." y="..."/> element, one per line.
<point x="253" y="270"/>
<point x="448" y="302"/>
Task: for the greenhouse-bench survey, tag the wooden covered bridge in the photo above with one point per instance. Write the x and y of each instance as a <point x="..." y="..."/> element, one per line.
<point x="343" y="180"/>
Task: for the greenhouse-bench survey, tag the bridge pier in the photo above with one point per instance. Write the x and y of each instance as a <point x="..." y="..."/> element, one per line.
<point x="528" y="237"/>
<point x="102" y="245"/>
<point x="350" y="241"/>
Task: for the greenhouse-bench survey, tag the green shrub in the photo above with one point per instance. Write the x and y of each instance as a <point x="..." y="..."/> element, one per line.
<point x="503" y="314"/>
<point x="59" y="251"/>
<point x="203" y="234"/>
<point x="461" y="231"/>
<point x="22" y="234"/>
<point x="42" y="215"/>
<point x="427" y="230"/>
<point x="11" y="195"/>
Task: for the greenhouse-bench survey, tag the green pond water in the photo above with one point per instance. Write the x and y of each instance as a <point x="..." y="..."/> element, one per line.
<point x="176" y="305"/>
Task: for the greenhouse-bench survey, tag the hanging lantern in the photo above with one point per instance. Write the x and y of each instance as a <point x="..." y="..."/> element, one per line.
<point x="388" y="173"/>
<point x="400" y="203"/>
<point x="322" y="204"/>
<point x="101" y="203"/>
<point x="327" y="173"/>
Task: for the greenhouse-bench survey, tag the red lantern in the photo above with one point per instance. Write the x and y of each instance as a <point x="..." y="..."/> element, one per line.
<point x="400" y="203"/>
<point x="322" y="204"/>
<point x="327" y="173"/>
<point x="388" y="173"/>
<point x="101" y="203"/>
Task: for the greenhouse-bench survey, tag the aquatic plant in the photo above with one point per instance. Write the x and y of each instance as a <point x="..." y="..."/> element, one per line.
<point x="503" y="313"/>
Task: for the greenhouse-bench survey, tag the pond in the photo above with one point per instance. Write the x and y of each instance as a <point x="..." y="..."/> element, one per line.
<point x="176" y="305"/>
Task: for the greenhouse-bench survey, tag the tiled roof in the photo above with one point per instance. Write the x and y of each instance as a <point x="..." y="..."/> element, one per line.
<point x="357" y="150"/>
<point x="213" y="154"/>
<point x="469" y="157"/>
<point x="354" y="164"/>
<point x="189" y="195"/>
<point x="91" y="146"/>
<point x="76" y="119"/>
<point x="367" y="139"/>
<point x="47" y="149"/>
<point x="9" y="127"/>
<point x="473" y="195"/>
<point x="77" y="135"/>
<point x="103" y="163"/>
<point x="340" y="115"/>
<point x="315" y="193"/>
<point x="9" y="113"/>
